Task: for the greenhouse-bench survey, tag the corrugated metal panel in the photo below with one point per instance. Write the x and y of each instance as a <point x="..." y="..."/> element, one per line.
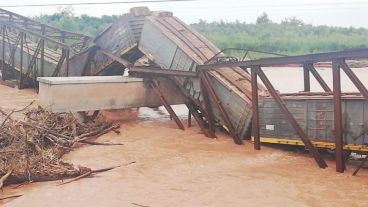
<point x="156" y="46"/>
<point x="315" y="116"/>
<point x="355" y="121"/>
<point x="320" y="119"/>
<point x="118" y="36"/>
<point x="76" y="65"/>
<point x="273" y="123"/>
<point x="238" y="109"/>
<point x="174" y="45"/>
<point x="121" y="37"/>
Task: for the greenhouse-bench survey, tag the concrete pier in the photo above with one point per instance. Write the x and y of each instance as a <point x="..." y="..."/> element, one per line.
<point x="88" y="93"/>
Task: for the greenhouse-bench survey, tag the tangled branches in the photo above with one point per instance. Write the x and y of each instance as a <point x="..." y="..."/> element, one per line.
<point x="32" y="148"/>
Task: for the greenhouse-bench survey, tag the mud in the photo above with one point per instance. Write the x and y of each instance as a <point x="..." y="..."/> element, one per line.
<point x="184" y="168"/>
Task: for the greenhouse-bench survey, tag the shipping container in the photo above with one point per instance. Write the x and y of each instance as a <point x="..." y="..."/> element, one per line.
<point x="316" y="116"/>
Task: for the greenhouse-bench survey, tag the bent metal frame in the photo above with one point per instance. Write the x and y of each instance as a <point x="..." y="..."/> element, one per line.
<point x="338" y="60"/>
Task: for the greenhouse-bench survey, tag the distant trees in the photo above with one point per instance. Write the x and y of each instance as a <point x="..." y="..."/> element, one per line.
<point x="292" y="21"/>
<point x="263" y="19"/>
<point x="291" y="36"/>
<point x="65" y="19"/>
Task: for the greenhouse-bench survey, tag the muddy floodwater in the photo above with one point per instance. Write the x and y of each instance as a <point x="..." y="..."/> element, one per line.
<point x="184" y="168"/>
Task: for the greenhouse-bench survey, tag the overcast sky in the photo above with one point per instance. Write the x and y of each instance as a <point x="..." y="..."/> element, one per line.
<point x="329" y="12"/>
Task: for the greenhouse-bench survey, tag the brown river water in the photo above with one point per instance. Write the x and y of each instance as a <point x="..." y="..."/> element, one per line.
<point x="184" y="168"/>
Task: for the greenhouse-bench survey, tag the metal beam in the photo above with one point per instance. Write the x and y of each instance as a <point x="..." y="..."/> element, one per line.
<point x="90" y="56"/>
<point x="35" y="34"/>
<point x="340" y="166"/>
<point x="318" y="77"/>
<point x="255" y="115"/>
<point x="13" y="50"/>
<point x="301" y="59"/>
<point x="360" y="166"/>
<point x="32" y="63"/>
<point x="306" y="78"/>
<point x="211" y="91"/>
<point x="207" y="103"/>
<point x="163" y="72"/>
<point x="189" y="119"/>
<point x="299" y="130"/>
<point x="184" y="92"/>
<point x="356" y="94"/>
<point x="67" y="59"/>
<point x="35" y="23"/>
<point x="172" y="113"/>
<point x="59" y="64"/>
<point x="3" y="65"/>
<point x="42" y="59"/>
<point x="199" y="120"/>
<point x="20" y="83"/>
<point x="362" y="89"/>
<point x="118" y="59"/>
<point x="193" y="106"/>
<point x="148" y="70"/>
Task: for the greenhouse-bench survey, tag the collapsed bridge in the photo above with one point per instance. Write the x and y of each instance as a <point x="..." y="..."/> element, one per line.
<point x="30" y="49"/>
<point x="159" y="42"/>
<point x="179" y="66"/>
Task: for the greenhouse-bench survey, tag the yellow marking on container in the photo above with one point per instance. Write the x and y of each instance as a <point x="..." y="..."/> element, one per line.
<point x="225" y="127"/>
<point x="326" y="145"/>
<point x="123" y="52"/>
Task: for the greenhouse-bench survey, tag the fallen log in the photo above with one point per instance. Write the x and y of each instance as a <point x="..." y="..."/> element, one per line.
<point x="77" y="178"/>
<point x="110" y="168"/>
<point x="99" y="143"/>
<point x="4" y="178"/>
<point x="15" y="111"/>
<point x="94" y="171"/>
<point x="140" y="205"/>
<point x="360" y="166"/>
<point x="9" y="197"/>
<point x="95" y="133"/>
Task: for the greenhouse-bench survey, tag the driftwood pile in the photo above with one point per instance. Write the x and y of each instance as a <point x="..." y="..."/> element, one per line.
<point x="31" y="148"/>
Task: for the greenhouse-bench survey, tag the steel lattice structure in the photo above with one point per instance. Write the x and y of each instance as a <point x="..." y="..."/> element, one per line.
<point x="30" y="49"/>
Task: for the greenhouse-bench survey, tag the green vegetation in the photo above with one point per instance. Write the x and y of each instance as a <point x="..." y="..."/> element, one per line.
<point x="291" y="36"/>
<point x="65" y="19"/>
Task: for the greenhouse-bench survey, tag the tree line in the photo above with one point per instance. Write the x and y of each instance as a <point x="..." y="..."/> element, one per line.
<point x="290" y="37"/>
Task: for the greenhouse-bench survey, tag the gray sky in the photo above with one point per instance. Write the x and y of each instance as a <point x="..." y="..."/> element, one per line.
<point x="329" y="12"/>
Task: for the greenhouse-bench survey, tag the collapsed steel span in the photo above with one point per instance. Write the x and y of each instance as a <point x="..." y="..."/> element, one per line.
<point x="30" y="49"/>
<point x="147" y="42"/>
<point x="182" y="67"/>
